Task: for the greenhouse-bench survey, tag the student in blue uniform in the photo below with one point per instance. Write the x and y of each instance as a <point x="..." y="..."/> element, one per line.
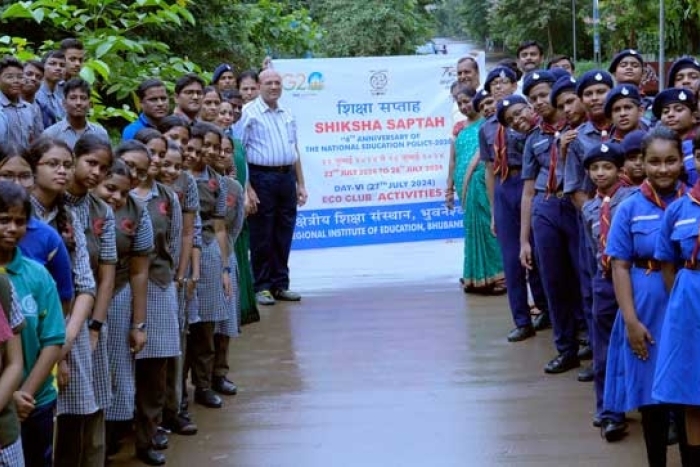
<point x="503" y="168"/>
<point x="633" y="170"/>
<point x="604" y="163"/>
<point x="675" y="108"/>
<point x="640" y="293"/>
<point x="553" y="218"/>
<point x="685" y="73"/>
<point x="623" y="108"/>
<point x="677" y="376"/>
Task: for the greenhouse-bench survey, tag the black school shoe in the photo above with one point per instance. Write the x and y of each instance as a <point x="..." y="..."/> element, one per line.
<point x="586" y="375"/>
<point x="207" y="398"/>
<point x="160" y="440"/>
<point x="562" y="364"/>
<point x="613" y="431"/>
<point x="521" y="333"/>
<point x="180" y="425"/>
<point x="541" y="322"/>
<point x="224" y="386"/>
<point x="150" y="456"/>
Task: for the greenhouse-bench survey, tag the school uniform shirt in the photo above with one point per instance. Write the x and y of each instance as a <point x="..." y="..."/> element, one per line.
<point x="537" y="158"/>
<point x="269" y="135"/>
<point x="575" y="177"/>
<point x="4" y="127"/>
<point x="137" y="125"/>
<point x="487" y="136"/>
<point x="185" y="187"/>
<point x="591" y="218"/>
<point x="689" y="161"/>
<point x="212" y="201"/>
<point x="677" y="375"/>
<point x="65" y="132"/>
<point x="51" y="102"/>
<point x="134" y="237"/>
<point x="43" y="244"/>
<point x="234" y="210"/>
<point x="42" y="314"/>
<point x="23" y="126"/>
<point x="83" y="279"/>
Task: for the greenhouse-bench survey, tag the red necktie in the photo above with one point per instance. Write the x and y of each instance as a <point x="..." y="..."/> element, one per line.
<point x="605" y="218"/>
<point x="650" y="193"/>
<point x="500" y="147"/>
<point x="604" y="131"/>
<point x="626" y="180"/>
<point x="554" y="130"/>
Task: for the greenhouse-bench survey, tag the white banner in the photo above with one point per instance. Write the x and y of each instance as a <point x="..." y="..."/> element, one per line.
<point x="374" y="135"/>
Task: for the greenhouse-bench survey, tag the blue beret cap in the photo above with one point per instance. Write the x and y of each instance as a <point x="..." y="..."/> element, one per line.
<point x="536" y="77"/>
<point x="505" y="104"/>
<point x="681" y="64"/>
<point x="604" y="152"/>
<point x="621" y="91"/>
<point x="564" y="84"/>
<point x="623" y="54"/>
<point x="558" y="73"/>
<point x="632" y="142"/>
<point x="499" y="72"/>
<point x="591" y="78"/>
<point x="480" y="96"/>
<point x="673" y="96"/>
<point x="220" y="70"/>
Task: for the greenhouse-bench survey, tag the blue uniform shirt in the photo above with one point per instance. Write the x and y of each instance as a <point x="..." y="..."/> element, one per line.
<point x="536" y="159"/>
<point x="487" y="136"/>
<point x="635" y="228"/>
<point x="137" y="125"/>
<point x="689" y="161"/>
<point x="591" y="217"/>
<point x="679" y="231"/>
<point x="575" y="178"/>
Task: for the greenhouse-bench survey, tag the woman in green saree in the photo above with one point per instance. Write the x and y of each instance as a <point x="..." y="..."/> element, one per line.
<point x="483" y="267"/>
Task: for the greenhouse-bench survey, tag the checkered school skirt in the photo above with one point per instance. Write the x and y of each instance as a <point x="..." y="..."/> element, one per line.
<point x="12" y="455"/>
<point x="78" y="397"/>
<point x="102" y="382"/>
<point x="229" y="327"/>
<point x="121" y="361"/>
<point x="213" y="306"/>
<point x="162" y="323"/>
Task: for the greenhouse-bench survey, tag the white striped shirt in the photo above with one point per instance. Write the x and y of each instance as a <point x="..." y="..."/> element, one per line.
<point x="269" y="135"/>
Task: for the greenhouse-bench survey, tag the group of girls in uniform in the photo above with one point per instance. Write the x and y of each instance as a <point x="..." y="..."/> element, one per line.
<point x="609" y="216"/>
<point x="124" y="271"/>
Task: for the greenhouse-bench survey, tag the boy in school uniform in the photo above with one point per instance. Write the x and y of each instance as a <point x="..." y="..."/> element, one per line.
<point x="633" y="169"/>
<point x="623" y="106"/>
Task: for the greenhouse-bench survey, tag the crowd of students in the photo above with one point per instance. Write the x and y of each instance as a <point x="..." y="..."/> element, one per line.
<point x="125" y="268"/>
<point x="593" y="201"/>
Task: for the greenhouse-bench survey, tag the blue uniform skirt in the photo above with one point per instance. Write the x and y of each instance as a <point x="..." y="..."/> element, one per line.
<point x="229" y="327"/>
<point x="629" y="380"/>
<point x="78" y="397"/>
<point x="677" y="378"/>
<point x="121" y="361"/>
<point x="213" y="305"/>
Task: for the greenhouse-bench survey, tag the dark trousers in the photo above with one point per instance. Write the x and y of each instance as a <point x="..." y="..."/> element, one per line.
<point x="37" y="436"/>
<point x="587" y="268"/>
<point x="605" y="310"/>
<point x="272" y="228"/>
<point x="555" y="229"/>
<point x="80" y="440"/>
<point x="150" y="398"/>
<point x="221" y="367"/>
<point x="200" y="351"/>
<point x="506" y="212"/>
<point x="655" y="423"/>
<point x="174" y="380"/>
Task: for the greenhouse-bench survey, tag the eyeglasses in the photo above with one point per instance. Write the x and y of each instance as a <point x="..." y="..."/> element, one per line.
<point x="23" y="179"/>
<point x="54" y="164"/>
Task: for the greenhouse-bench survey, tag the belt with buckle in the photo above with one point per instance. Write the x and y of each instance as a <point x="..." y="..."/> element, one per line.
<point x="282" y="169"/>
<point x="513" y="171"/>
<point x="557" y="194"/>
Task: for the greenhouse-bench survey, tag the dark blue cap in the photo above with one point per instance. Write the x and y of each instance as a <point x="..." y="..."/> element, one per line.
<point x="591" y="78"/>
<point x="632" y="142"/>
<point x="558" y="73"/>
<point x="623" y="54"/>
<point x="564" y="84"/>
<point x="681" y="64"/>
<point x="673" y="96"/>
<point x="621" y="91"/>
<point x="604" y="152"/>
<point x="480" y="96"/>
<point x="220" y="70"/>
<point x="500" y="72"/>
<point x="536" y="77"/>
<point x="506" y="103"/>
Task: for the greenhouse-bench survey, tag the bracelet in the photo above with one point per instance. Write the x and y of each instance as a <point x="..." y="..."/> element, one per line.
<point x="227" y="270"/>
<point x="194" y="279"/>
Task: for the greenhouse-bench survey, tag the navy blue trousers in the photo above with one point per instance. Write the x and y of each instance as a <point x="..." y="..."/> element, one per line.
<point x="37" y="436"/>
<point x="272" y="228"/>
<point x="506" y="213"/>
<point x="557" y="243"/>
<point x="587" y="268"/>
<point x="605" y="310"/>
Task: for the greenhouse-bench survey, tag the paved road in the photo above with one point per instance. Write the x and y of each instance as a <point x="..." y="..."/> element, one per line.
<point x="386" y="363"/>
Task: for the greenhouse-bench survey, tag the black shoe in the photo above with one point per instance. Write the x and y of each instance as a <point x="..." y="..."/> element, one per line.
<point x="582" y="337"/>
<point x="521" y="333"/>
<point x="222" y="385"/>
<point x="585" y="353"/>
<point x="562" y="364"/>
<point x="597" y="422"/>
<point x="586" y="374"/>
<point x="541" y="322"/>
<point x="160" y="440"/>
<point x="613" y="431"/>
<point x="180" y="425"/>
<point x="207" y="398"/>
<point x="150" y="457"/>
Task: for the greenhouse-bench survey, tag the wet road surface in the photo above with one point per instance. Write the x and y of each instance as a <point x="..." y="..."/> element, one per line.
<point x="387" y="363"/>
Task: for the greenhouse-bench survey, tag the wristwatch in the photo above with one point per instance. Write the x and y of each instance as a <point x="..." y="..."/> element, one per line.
<point x="139" y="327"/>
<point x="227" y="270"/>
<point x="95" y="325"/>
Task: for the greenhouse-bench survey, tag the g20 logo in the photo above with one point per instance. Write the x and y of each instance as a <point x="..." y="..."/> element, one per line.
<point x="302" y="81"/>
